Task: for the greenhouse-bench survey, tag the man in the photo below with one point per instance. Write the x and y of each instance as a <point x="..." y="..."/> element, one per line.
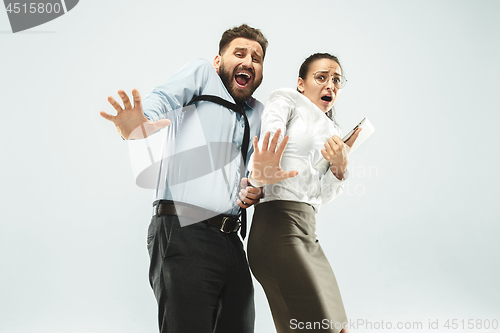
<point x="198" y="270"/>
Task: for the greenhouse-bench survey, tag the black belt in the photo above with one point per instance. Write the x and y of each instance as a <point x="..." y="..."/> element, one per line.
<point x="225" y="224"/>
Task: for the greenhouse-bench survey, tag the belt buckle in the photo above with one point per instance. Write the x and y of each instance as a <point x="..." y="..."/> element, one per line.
<point x="224" y="220"/>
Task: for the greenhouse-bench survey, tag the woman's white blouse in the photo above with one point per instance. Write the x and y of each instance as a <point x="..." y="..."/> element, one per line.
<point x="308" y="129"/>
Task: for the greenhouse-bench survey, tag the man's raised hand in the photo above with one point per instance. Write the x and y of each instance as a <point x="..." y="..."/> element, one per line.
<point x="266" y="168"/>
<point x="130" y="121"/>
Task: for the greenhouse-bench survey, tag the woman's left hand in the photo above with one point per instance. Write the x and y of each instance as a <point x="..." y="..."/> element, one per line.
<point x="337" y="153"/>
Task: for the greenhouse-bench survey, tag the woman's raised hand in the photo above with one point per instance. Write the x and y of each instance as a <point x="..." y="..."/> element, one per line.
<point x="266" y="168"/>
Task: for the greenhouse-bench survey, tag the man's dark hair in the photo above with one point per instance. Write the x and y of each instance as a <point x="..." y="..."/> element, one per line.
<point x="243" y="31"/>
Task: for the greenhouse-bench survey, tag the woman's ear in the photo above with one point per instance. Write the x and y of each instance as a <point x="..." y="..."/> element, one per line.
<point x="300" y="85"/>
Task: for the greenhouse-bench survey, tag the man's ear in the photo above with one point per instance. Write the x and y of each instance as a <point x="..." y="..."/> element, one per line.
<point x="217" y="63"/>
<point x="300" y="85"/>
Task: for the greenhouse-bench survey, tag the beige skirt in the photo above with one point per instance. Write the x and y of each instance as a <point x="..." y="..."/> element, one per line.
<point x="287" y="260"/>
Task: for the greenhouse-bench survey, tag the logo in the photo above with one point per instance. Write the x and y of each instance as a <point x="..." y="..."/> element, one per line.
<point x="28" y="14"/>
<point x="185" y="165"/>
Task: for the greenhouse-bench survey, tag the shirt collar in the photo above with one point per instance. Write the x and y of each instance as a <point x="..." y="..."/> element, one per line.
<point x="249" y="104"/>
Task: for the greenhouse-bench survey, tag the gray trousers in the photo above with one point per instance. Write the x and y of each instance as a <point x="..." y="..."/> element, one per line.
<point x="287" y="259"/>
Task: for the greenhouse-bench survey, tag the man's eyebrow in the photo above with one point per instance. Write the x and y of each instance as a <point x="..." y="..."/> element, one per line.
<point x="246" y="50"/>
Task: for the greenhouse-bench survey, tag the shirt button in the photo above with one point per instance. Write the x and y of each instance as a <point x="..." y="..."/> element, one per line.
<point x="242" y="125"/>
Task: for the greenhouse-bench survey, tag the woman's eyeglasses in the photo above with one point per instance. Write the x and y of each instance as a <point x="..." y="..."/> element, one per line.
<point x="321" y="77"/>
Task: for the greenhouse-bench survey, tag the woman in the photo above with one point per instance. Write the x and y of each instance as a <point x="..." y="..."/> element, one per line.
<point x="283" y="252"/>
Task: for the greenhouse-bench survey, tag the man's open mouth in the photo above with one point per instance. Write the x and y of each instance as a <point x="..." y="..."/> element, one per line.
<point x="242" y="79"/>
<point x="327" y="98"/>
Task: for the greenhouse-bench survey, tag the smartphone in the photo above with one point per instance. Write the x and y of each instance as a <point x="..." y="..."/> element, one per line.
<point x="367" y="129"/>
<point x="348" y="135"/>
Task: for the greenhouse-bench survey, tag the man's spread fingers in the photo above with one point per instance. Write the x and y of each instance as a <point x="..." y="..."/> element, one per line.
<point x="115" y="104"/>
<point x="106" y="116"/>
<point x="125" y="99"/>
<point x="137" y="99"/>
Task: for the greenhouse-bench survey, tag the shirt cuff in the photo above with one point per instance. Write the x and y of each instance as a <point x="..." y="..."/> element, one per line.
<point x="254" y="182"/>
<point x="331" y="179"/>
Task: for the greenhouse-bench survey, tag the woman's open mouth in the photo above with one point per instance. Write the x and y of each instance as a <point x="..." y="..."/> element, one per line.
<point x="326" y="98"/>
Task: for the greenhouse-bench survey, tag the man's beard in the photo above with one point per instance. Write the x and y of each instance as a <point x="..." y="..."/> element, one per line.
<point x="239" y="95"/>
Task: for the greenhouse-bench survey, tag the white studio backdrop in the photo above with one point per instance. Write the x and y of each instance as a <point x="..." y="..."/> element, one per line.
<point x="412" y="239"/>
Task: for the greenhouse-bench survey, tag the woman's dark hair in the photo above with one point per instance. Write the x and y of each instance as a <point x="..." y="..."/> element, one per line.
<point x="243" y="31"/>
<point x="304" y="69"/>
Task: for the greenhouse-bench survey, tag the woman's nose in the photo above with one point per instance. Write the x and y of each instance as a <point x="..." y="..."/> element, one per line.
<point x="329" y="83"/>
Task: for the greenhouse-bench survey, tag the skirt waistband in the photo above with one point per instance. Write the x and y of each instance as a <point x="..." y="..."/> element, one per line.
<point x="286" y="205"/>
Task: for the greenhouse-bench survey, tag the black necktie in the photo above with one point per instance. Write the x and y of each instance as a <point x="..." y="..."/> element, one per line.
<point x="244" y="146"/>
